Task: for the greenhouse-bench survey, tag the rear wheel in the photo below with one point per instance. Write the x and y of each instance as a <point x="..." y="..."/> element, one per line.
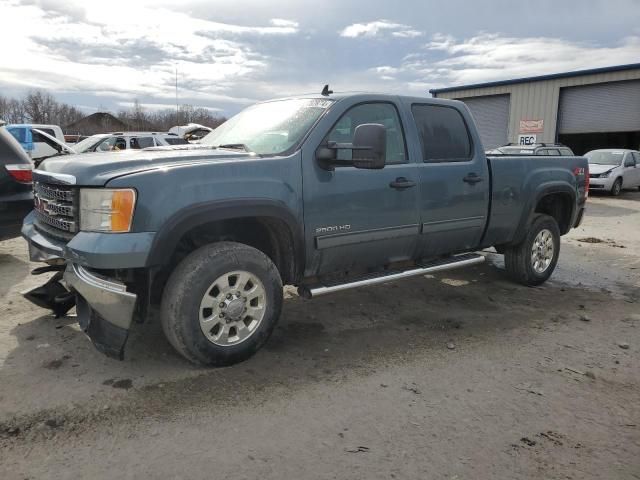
<point x="533" y="261"/>
<point x="221" y="303"/>
<point x="616" y="188"/>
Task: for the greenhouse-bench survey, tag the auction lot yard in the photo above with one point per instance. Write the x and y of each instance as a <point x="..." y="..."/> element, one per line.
<point x="459" y="375"/>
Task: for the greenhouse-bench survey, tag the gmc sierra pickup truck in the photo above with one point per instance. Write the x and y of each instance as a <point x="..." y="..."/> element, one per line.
<point x="325" y="192"/>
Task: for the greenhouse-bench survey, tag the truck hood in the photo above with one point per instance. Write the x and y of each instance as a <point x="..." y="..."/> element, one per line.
<point x="96" y="169"/>
<point x="598" y="169"/>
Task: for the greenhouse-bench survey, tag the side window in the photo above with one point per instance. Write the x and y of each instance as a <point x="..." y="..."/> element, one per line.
<point x="141" y="142"/>
<point x="636" y="156"/>
<point x="19" y="133"/>
<point x="542" y="151"/>
<point x="629" y="161"/>
<point x="383" y="113"/>
<point x="444" y="135"/>
<point x="553" y="151"/>
<point x="106" y="145"/>
<point x="566" y="152"/>
<point x="121" y="144"/>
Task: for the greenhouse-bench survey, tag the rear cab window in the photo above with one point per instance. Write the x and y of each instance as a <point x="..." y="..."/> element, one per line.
<point x="444" y="135"/>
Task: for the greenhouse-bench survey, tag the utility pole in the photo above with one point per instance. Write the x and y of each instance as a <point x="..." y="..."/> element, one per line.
<point x="177" y="107"/>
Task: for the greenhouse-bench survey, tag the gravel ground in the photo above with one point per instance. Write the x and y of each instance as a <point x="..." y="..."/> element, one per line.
<point x="459" y="375"/>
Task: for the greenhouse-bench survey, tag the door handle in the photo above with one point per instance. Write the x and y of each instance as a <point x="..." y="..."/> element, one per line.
<point x="401" y="183"/>
<point x="472" y="178"/>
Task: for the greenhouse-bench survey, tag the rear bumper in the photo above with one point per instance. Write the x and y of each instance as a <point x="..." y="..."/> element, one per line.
<point x="105" y="308"/>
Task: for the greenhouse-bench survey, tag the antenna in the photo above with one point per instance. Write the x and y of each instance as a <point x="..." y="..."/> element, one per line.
<point x="326" y="92"/>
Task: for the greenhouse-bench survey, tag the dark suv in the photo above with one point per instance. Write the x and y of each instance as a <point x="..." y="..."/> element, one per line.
<point x="16" y="197"/>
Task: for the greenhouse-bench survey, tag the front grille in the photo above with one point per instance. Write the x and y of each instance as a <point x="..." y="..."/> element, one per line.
<point x="56" y="209"/>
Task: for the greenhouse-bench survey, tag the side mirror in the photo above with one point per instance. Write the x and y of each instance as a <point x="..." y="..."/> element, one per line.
<point x="370" y="146"/>
<point x="369" y="149"/>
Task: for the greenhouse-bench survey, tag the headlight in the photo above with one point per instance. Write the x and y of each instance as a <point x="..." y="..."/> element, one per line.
<point x="106" y="209"/>
<point x="605" y="174"/>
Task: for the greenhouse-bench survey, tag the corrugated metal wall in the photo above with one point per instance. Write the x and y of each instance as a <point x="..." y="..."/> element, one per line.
<point x="605" y="107"/>
<point x="539" y="100"/>
<point x="491" y="115"/>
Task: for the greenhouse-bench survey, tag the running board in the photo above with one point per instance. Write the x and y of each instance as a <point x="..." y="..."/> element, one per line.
<point x="437" y="266"/>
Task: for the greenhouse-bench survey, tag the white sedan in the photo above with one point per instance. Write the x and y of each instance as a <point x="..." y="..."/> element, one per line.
<point x="613" y="170"/>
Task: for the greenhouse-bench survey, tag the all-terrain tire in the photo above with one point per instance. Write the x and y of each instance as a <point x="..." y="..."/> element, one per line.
<point x="190" y="283"/>
<point x="616" y="189"/>
<point x="520" y="260"/>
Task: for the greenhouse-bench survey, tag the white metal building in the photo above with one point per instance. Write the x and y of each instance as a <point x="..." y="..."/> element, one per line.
<point x="586" y="109"/>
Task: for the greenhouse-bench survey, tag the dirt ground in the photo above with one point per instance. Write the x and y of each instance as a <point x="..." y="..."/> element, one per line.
<point x="462" y="375"/>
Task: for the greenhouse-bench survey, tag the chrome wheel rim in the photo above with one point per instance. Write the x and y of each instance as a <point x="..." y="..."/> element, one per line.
<point x="542" y="251"/>
<point x="232" y="308"/>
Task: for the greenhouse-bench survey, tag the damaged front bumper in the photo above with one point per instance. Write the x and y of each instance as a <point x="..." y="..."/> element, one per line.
<point x="105" y="309"/>
<point x="104" y="306"/>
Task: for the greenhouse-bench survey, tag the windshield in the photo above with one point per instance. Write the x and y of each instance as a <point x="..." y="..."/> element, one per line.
<point x="269" y="128"/>
<point x="87" y="143"/>
<point x="605" y="158"/>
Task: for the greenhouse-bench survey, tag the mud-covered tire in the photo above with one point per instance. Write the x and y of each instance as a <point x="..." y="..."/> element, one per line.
<point x="520" y="260"/>
<point x="616" y="189"/>
<point x="191" y="281"/>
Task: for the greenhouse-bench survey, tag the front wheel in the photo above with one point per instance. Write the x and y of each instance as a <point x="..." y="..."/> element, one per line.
<point x="616" y="189"/>
<point x="221" y="303"/>
<point x="533" y="261"/>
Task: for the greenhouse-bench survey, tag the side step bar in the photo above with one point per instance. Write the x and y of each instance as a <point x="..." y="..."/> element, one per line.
<point x="437" y="266"/>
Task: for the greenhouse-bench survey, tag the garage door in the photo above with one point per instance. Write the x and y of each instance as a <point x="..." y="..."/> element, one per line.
<point x="608" y="107"/>
<point x="491" y="114"/>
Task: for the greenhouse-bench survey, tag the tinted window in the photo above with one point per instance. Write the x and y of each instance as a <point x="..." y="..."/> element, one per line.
<point x="141" y="142"/>
<point x="566" y="152"/>
<point x="175" y="141"/>
<point x="553" y="151"/>
<point x="443" y="133"/>
<point x="38" y="138"/>
<point x="382" y="113"/>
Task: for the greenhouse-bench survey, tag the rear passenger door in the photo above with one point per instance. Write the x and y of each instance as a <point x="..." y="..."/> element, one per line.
<point x="453" y="178"/>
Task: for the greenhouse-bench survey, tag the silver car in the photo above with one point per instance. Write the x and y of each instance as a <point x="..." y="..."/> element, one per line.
<point x="110" y="142"/>
<point x="613" y="170"/>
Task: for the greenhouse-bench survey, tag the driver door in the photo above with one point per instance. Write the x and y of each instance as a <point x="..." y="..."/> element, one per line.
<point x="359" y="218"/>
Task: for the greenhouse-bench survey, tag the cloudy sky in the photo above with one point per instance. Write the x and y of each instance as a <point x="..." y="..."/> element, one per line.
<point x="229" y="53"/>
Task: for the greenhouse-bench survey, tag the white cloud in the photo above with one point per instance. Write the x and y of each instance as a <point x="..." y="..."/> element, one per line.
<point x="129" y="49"/>
<point x="281" y="22"/>
<point x="446" y="61"/>
<point x="379" y="27"/>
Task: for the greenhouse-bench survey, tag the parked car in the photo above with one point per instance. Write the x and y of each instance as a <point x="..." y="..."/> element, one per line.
<point x="613" y="170"/>
<point x="325" y="192"/>
<point x="32" y="141"/>
<point x="192" y="132"/>
<point x="550" y="149"/>
<point x="16" y="198"/>
<point x="118" y="141"/>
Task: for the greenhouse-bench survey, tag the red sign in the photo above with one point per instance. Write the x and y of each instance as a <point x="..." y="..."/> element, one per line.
<point x="531" y="126"/>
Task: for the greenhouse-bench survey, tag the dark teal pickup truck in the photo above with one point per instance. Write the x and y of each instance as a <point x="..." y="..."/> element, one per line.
<point x="325" y="192"/>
